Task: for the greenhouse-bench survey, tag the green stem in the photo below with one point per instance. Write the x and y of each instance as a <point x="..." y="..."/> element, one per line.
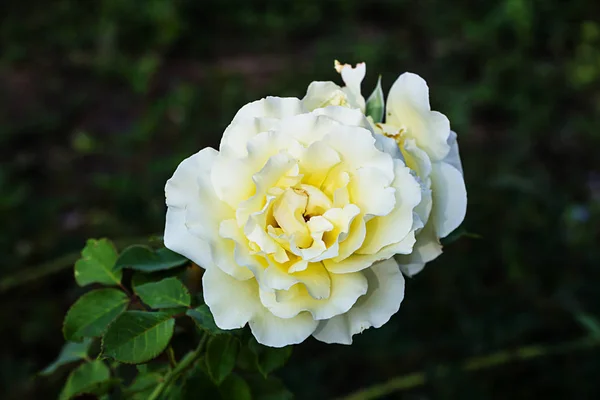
<point x="31" y="274"/>
<point x="417" y="379"/>
<point x="171" y="355"/>
<point x="183" y="365"/>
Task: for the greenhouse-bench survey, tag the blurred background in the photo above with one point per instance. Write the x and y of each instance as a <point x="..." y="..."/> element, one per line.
<point x="100" y="100"/>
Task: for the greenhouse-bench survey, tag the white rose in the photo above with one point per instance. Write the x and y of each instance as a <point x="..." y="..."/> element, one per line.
<point x="429" y="148"/>
<point x="291" y="220"/>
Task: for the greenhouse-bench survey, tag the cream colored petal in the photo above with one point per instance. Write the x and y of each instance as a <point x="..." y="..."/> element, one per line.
<point x="272" y="331"/>
<point x="426" y="249"/>
<point x="316" y="162"/>
<point x="244" y="265"/>
<point x="234" y="303"/>
<point x="416" y="159"/>
<point x="232" y="188"/>
<point x="388" y="145"/>
<point x="356" y="147"/>
<point x="358" y="262"/>
<point x="313" y="276"/>
<point x="408" y="108"/>
<point x="374" y="309"/>
<point x="352" y="77"/>
<point x="395" y="226"/>
<point x="280" y="170"/>
<point x="323" y="94"/>
<point x="271" y="107"/>
<point x="453" y="157"/>
<point x="370" y="190"/>
<point x="180" y="240"/>
<point x="449" y="198"/>
<point x="346" y="116"/>
<point x="239" y="133"/>
<point x="316" y="279"/>
<point x="190" y="190"/>
<point x="345" y="290"/>
<point x="350" y="243"/>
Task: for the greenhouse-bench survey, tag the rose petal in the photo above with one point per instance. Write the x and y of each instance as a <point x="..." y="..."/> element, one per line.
<point x="426" y="249"/>
<point x="234" y="303"/>
<point x="449" y="198"/>
<point x="345" y="290"/>
<point x="375" y="308"/>
<point x="393" y="227"/>
<point x="408" y="107"/>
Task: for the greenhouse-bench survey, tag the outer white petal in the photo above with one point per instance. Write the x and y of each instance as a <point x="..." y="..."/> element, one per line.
<point x="254" y="118"/>
<point x="271" y="107"/>
<point x="234" y="303"/>
<point x="189" y="187"/>
<point x="179" y="239"/>
<point x="279" y="332"/>
<point x="408" y="107"/>
<point x="382" y="300"/>
<point x="353" y="77"/>
<point x="453" y="157"/>
<point x="426" y="249"/>
<point x="449" y="198"/>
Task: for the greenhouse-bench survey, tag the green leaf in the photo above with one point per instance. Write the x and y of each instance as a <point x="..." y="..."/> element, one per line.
<point x="142" y="386"/>
<point x="204" y="320"/>
<point x="146" y="259"/>
<point x="376" y="104"/>
<point x="235" y="388"/>
<point x="93" y="312"/>
<point x="141" y="278"/>
<point x="168" y="293"/>
<point x="138" y="336"/>
<point x="71" y="351"/>
<point x="268" y="389"/>
<point x="198" y="383"/>
<point x="268" y="359"/>
<point x="92" y="378"/>
<point x="96" y="264"/>
<point x="221" y="353"/>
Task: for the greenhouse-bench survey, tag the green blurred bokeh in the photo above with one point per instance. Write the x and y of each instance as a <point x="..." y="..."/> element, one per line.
<point x="100" y="100"/>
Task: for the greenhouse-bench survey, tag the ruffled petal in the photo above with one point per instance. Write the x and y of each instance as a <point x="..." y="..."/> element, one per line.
<point x="427" y="248"/>
<point x="375" y="308"/>
<point x="408" y="108"/>
<point x="234" y="303"/>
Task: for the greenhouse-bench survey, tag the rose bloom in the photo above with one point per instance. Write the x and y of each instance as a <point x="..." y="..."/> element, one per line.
<point x="296" y="219"/>
<point x="428" y="147"/>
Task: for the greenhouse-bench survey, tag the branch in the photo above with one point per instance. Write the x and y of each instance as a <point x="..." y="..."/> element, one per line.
<point x="31" y="274"/>
<point x="180" y="368"/>
<point x="417" y="379"/>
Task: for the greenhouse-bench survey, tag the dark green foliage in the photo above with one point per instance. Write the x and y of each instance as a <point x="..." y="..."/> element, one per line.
<point x="137" y="336"/>
<point x="93" y="312"/>
<point x="167" y="293"/>
<point x="146" y="259"/>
